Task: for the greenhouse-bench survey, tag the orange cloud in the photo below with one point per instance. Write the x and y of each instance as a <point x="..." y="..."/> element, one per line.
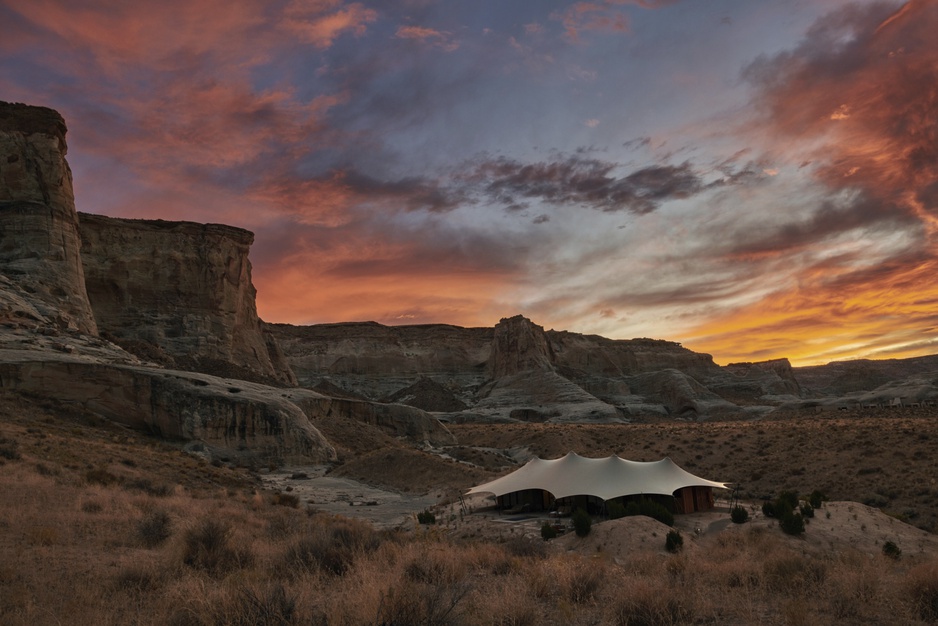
<point x="348" y="276"/>
<point x="320" y="22"/>
<point x="856" y="101"/>
<point x="438" y="38"/>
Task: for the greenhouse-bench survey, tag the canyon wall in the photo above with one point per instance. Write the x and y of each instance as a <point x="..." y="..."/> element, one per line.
<point x="183" y="287"/>
<point x="39" y="240"/>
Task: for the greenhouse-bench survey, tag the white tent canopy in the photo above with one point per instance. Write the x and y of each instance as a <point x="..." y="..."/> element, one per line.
<point x="606" y="478"/>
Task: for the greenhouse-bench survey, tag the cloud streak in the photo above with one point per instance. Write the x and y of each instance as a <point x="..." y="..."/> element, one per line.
<point x="855" y="103"/>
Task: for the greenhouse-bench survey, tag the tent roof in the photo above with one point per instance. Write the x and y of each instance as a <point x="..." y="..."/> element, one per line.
<point x="604" y="478"/>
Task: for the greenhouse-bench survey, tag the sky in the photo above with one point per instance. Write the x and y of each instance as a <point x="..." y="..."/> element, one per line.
<point x="755" y="179"/>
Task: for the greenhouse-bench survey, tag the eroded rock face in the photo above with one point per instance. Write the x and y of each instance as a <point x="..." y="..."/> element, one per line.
<point x="519" y="345"/>
<point x="182" y="286"/>
<point x="376" y="361"/>
<point x="39" y="241"/>
<point x="235" y="420"/>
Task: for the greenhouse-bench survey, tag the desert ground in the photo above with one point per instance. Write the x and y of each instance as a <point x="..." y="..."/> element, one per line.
<point x="105" y="525"/>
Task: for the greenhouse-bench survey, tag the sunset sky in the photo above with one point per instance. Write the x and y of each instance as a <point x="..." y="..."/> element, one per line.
<point x="752" y="178"/>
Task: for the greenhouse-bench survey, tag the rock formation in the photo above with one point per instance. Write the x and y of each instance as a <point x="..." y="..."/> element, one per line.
<point x="174" y="294"/>
<point x="183" y="287"/>
<point x="376" y="361"/>
<point x="229" y="419"/>
<point x="39" y="241"/>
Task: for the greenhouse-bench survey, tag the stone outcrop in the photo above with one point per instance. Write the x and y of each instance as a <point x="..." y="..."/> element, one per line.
<point x="516" y="368"/>
<point x="519" y="345"/>
<point x="397" y="420"/>
<point x="375" y="361"/>
<point x="39" y="240"/>
<point x="183" y="287"/>
<point x="233" y="420"/>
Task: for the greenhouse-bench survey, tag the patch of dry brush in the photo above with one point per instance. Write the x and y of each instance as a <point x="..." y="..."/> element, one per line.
<point x="77" y="549"/>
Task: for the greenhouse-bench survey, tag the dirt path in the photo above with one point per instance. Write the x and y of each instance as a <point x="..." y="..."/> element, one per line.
<point x="344" y="496"/>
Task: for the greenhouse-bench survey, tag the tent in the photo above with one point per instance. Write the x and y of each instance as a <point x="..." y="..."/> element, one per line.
<point x="603" y="479"/>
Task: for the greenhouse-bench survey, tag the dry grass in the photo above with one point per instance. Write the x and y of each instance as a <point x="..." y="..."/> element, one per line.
<point x="91" y="552"/>
<point x="879" y="460"/>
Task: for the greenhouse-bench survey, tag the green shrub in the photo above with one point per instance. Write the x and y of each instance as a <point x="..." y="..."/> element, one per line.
<point x="615" y="509"/>
<point x="739" y="515"/>
<point x="792" y="523"/>
<point x="652" y="509"/>
<point x="426" y="517"/>
<point x="787" y="498"/>
<point x="548" y="532"/>
<point x="891" y="550"/>
<point x="674" y="541"/>
<point x="768" y="508"/>
<point x="807" y="510"/>
<point x="582" y="522"/>
<point x="817" y="498"/>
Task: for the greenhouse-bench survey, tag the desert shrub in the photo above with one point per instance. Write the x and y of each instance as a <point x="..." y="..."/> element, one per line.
<point x="523" y="547"/>
<point x="921" y="583"/>
<point x="891" y="550"/>
<point x="8" y="449"/>
<point x="817" y="498"/>
<point x="615" y="509"/>
<point x="154" y="528"/>
<point x="582" y="522"/>
<point x="92" y="506"/>
<point x="793" y="573"/>
<point x="412" y="602"/>
<point x="244" y="605"/>
<point x="331" y="549"/>
<point x="739" y="514"/>
<point x="875" y="500"/>
<point x="787" y="499"/>
<point x="583" y="580"/>
<point x="426" y="516"/>
<point x="286" y="499"/>
<point x="768" y="508"/>
<point x="207" y="547"/>
<point x="159" y="490"/>
<point x="792" y="523"/>
<point x="806" y="510"/>
<point x="137" y="580"/>
<point x="100" y="476"/>
<point x="548" y="531"/>
<point x="643" y="604"/>
<point x="673" y="542"/>
<point x="268" y="607"/>
<point x="652" y="509"/>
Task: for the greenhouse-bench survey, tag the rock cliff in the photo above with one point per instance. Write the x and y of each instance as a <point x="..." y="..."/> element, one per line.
<point x="177" y="295"/>
<point x="514" y="371"/>
<point x="376" y="361"/>
<point x="39" y="240"/>
<point x="183" y="287"/>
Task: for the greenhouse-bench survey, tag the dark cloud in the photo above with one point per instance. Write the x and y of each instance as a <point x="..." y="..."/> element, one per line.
<point x="574" y="180"/>
<point x="412" y="193"/>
